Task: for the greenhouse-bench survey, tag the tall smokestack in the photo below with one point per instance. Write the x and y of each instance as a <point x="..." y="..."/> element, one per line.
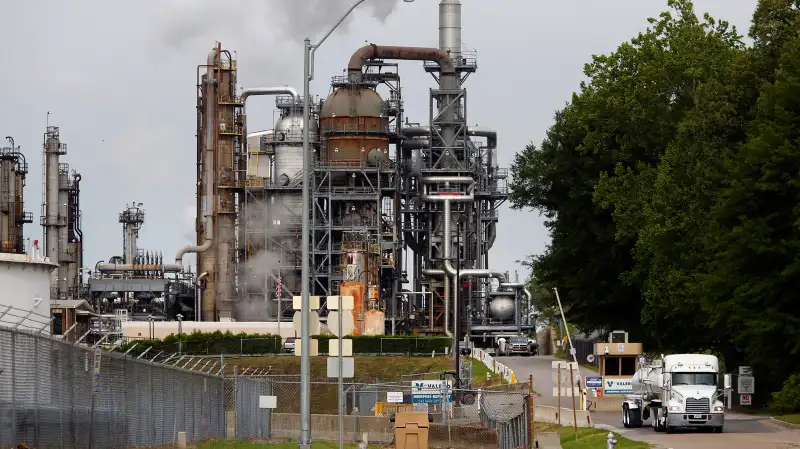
<point x="450" y="27"/>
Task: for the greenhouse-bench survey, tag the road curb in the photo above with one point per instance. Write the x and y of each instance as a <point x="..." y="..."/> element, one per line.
<point x="783" y="424"/>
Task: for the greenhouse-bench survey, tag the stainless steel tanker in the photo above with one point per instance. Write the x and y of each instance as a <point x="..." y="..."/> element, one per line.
<point x="676" y="391"/>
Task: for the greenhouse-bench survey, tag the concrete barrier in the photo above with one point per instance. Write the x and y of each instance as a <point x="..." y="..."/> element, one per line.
<point x="494" y="366"/>
<point x="326" y="427"/>
<point x="549" y="414"/>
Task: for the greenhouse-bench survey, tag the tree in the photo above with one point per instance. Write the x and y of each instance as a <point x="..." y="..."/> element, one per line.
<point x="751" y="286"/>
<point x="595" y="171"/>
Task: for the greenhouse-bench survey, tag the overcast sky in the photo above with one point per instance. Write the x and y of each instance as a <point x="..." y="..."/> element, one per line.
<point x="119" y="79"/>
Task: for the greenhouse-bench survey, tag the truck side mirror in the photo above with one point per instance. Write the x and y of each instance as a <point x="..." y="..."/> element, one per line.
<point x="726" y="381"/>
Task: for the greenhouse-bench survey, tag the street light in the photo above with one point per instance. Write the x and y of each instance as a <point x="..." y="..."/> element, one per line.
<point x="305" y="314"/>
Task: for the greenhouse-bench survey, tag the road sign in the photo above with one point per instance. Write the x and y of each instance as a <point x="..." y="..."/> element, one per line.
<point x="347" y="347"/>
<point x="314" y="319"/>
<point x="594" y="381"/>
<point x="745" y="399"/>
<point x="297" y="302"/>
<point x="347" y="323"/>
<point x="746" y="371"/>
<point x="747" y="385"/>
<point x="348" y="367"/>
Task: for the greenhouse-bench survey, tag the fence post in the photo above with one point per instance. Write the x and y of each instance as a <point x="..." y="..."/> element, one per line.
<point x="531" y="414"/>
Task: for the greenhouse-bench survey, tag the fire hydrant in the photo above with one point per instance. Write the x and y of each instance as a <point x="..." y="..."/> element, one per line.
<point x="610" y="441"/>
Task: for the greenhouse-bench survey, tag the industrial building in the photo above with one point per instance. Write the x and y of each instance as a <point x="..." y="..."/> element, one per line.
<point x="403" y="215"/>
<point x="390" y="200"/>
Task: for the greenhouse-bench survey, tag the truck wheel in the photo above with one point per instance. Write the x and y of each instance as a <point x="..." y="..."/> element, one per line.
<point x="718" y="429"/>
<point x="635" y="417"/>
<point x="626" y="416"/>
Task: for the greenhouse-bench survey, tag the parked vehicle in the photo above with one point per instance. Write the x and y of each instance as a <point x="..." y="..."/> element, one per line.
<point x="521" y="345"/>
<point x="676" y="391"/>
<point x="288" y="344"/>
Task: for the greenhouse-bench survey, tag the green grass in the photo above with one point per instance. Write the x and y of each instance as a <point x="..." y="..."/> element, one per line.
<point x="791" y="419"/>
<point x="223" y="444"/>
<point x="479" y="372"/>
<point x="368" y="368"/>
<point x="588" y="438"/>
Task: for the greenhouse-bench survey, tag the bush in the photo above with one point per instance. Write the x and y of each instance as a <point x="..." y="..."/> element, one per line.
<point x="787" y="400"/>
<point x="197" y="343"/>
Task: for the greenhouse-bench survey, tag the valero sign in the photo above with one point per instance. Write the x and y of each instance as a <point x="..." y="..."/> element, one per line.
<point x="431" y="391"/>
<point x="617" y="386"/>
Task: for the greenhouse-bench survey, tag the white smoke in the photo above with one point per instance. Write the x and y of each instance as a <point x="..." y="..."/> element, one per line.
<point x="184" y="20"/>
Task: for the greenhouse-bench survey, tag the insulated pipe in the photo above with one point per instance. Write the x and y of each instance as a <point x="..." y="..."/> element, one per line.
<point x="528" y="311"/>
<point x="360" y="57"/>
<point x="115" y="267"/>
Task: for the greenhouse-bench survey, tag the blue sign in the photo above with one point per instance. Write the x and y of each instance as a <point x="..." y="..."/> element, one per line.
<point x="594" y="381"/>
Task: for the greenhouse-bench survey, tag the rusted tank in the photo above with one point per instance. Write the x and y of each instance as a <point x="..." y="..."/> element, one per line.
<point x="374" y="322"/>
<point x="356" y="290"/>
<point x="354" y="132"/>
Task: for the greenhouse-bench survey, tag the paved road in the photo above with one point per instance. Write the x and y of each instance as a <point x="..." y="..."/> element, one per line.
<point x="741" y="431"/>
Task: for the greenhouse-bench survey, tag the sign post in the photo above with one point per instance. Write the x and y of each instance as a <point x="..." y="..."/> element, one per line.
<point x="342" y="306"/>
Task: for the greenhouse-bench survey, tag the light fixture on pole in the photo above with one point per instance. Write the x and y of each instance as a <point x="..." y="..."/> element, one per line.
<point x="305" y="314"/>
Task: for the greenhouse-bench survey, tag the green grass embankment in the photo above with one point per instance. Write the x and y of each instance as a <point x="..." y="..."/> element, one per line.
<point x="588" y="438"/>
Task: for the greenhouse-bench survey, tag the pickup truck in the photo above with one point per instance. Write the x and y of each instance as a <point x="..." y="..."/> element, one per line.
<point x="521" y="345"/>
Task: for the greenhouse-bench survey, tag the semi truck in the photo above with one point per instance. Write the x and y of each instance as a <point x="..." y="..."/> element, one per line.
<point x="676" y="391"/>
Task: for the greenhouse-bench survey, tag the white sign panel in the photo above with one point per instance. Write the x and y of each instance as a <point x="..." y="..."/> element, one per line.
<point x="747" y="385"/>
<point x="745" y="399"/>
<point x="347" y="347"/>
<point x="348" y="367"/>
<point x="617" y="386"/>
<point x="267" y="402"/>
<point x="746" y="371"/>
<point x="394" y="397"/>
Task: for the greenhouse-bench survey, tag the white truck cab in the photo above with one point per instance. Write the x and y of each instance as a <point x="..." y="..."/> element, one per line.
<point x="676" y="391"/>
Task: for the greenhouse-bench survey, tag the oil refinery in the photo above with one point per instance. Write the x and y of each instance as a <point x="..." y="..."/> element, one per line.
<point x="403" y="215"/>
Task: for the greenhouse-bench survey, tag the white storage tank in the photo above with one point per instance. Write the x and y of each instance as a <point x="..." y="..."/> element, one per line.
<point x="25" y="282"/>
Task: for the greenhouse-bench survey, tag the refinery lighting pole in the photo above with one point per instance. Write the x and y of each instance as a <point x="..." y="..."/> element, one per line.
<point x="305" y="304"/>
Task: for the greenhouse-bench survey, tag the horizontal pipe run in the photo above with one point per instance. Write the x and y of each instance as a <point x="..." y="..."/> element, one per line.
<point x="119" y="267"/>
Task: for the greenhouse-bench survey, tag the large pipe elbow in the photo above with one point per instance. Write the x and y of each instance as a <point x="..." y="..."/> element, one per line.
<point x="192" y="249"/>
<point x="200" y="278"/>
<point x="269" y="91"/>
<point x="368" y="52"/>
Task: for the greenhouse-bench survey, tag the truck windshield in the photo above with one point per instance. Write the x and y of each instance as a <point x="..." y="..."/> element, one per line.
<point x="518" y="340"/>
<point x="694" y="379"/>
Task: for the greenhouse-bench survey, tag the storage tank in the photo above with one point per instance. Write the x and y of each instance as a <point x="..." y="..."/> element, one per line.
<point x="374" y="322"/>
<point x="25" y="281"/>
<point x="501" y="305"/>
<point x="356" y="290"/>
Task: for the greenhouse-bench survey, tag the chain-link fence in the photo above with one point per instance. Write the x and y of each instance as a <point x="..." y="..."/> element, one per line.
<point x="458" y="417"/>
<point x="57" y="394"/>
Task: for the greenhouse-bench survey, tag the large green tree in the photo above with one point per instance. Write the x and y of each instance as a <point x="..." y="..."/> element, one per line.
<point x="595" y="169"/>
<point x="754" y="277"/>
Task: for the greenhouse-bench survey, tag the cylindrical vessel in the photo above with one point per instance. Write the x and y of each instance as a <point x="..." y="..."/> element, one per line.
<point x="354" y="129"/>
<point x="647" y="380"/>
<point x="501" y="306"/>
<point x="374" y="322"/>
<point x="356" y="290"/>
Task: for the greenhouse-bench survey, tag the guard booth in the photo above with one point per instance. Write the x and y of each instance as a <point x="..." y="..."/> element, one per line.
<point x="618" y="360"/>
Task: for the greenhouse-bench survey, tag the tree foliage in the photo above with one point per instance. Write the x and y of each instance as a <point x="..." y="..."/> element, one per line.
<point x="669" y="185"/>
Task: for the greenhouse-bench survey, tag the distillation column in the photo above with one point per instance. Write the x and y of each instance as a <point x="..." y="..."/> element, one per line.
<point x="51" y="219"/>
<point x="13" y="169"/>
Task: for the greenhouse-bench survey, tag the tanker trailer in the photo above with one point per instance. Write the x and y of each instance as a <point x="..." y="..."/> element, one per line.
<point x="676" y="391"/>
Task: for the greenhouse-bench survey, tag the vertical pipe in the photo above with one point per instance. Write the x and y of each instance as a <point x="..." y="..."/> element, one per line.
<point x="63" y="241"/>
<point x="305" y="313"/>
